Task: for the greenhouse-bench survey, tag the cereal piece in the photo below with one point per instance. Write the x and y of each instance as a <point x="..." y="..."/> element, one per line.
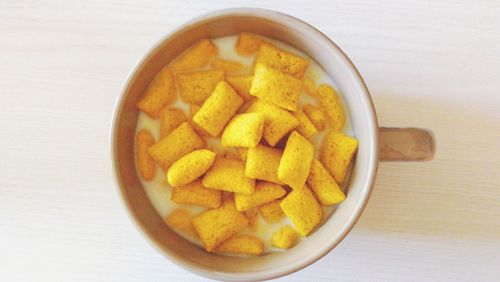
<point x="336" y="153"/>
<point x="248" y="43"/>
<point x="264" y="193"/>
<point x="242" y="84"/>
<point x="309" y="87"/>
<point x="217" y="225"/>
<point x="227" y="66"/>
<point x="332" y="106"/>
<point x="285" y="238"/>
<point x="145" y="164"/>
<point x="190" y="167"/>
<point x="323" y="185"/>
<point x="282" y="60"/>
<point x="316" y="116"/>
<point x="195" y="87"/>
<point x="278" y="121"/>
<point x="253" y="219"/>
<point x="244" y="130"/>
<point x="263" y="162"/>
<point x="296" y="161"/>
<point x="272" y="212"/>
<point x="229" y="175"/>
<point x="218" y="109"/>
<point x="170" y="120"/>
<point x="276" y="87"/>
<point x="242" y="244"/>
<point x="242" y="152"/>
<point x="195" y="193"/>
<point x="303" y="209"/>
<point x="180" y="219"/>
<point x="181" y="141"/>
<point x="193" y="109"/>
<point x="196" y="57"/>
<point x="159" y="94"/>
<point x="305" y="127"/>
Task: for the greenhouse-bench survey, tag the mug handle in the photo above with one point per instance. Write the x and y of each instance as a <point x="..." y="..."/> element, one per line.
<point x="406" y="144"/>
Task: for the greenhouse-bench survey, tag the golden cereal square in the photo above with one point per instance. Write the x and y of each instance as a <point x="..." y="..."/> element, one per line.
<point x="276" y="87"/>
<point x="227" y="66"/>
<point x="303" y="210"/>
<point x="242" y="84"/>
<point x="145" y="164"/>
<point x="309" y="87"/>
<point x="180" y="220"/>
<point x="159" y="94"/>
<point x="170" y="120"/>
<point x="229" y="175"/>
<point x="190" y="167"/>
<point x="285" y="237"/>
<point x="243" y="130"/>
<point x="218" y="109"/>
<point x="242" y="244"/>
<point x="196" y="57"/>
<point x="178" y="143"/>
<point x="262" y="163"/>
<point x="278" y="121"/>
<point x="282" y="60"/>
<point x="305" y="127"/>
<point x="296" y="161"/>
<point x="248" y="43"/>
<point x="217" y="225"/>
<point x="336" y="153"/>
<point x="329" y="101"/>
<point x="323" y="185"/>
<point x="195" y="87"/>
<point x="264" y="193"/>
<point x="272" y="212"/>
<point x="195" y="193"/>
<point x="316" y="116"/>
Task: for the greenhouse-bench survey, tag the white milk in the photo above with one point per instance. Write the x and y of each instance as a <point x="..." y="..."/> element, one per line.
<point x="159" y="191"/>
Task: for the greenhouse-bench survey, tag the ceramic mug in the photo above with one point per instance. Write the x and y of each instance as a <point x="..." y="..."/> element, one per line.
<point x="374" y="144"/>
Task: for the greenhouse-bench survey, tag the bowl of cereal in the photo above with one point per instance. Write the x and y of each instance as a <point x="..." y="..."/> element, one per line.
<point x="245" y="145"/>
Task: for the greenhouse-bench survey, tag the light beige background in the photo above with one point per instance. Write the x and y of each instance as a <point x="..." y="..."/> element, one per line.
<point x="432" y="64"/>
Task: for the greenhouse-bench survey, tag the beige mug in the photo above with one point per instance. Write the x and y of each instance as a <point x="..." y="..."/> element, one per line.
<point x="375" y="144"/>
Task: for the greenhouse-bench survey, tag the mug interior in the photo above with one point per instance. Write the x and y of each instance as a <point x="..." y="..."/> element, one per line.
<point x="301" y="36"/>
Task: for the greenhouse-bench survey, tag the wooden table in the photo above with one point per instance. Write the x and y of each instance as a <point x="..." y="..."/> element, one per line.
<point x="431" y="64"/>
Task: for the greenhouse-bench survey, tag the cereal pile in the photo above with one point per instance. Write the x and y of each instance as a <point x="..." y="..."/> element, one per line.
<point x="257" y="114"/>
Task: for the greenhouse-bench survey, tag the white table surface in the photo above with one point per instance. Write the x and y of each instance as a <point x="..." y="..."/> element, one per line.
<point x="431" y="64"/>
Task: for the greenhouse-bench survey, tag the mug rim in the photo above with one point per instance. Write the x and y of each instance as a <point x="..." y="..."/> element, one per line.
<point x="373" y="160"/>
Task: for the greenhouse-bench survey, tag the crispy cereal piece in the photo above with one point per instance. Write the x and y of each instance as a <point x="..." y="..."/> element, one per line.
<point x="160" y="93"/>
<point x="248" y="43"/>
<point x="303" y="209"/>
<point x="296" y="161"/>
<point x="242" y="84"/>
<point x="282" y="60"/>
<point x="278" y="121"/>
<point x="316" y="116"/>
<point x="180" y="219"/>
<point x="323" y="185"/>
<point x="145" y="164"/>
<point x="243" y="130"/>
<point x="336" y="153"/>
<point x="309" y="86"/>
<point x="181" y="141"/>
<point x="190" y="167"/>
<point x="196" y="87"/>
<point x="196" y="57"/>
<point x="332" y="106"/>
<point x="276" y="87"/>
<point x="227" y="66"/>
<point x="217" y="225"/>
<point x="272" y="212"/>
<point x="195" y="193"/>
<point x="262" y="163"/>
<point x="285" y="237"/>
<point x="218" y="109"/>
<point x="242" y="244"/>
<point x="305" y="127"/>
<point x="229" y="175"/>
<point x="242" y="152"/>
<point x="264" y="193"/>
<point x="253" y="219"/>
<point x="170" y="120"/>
